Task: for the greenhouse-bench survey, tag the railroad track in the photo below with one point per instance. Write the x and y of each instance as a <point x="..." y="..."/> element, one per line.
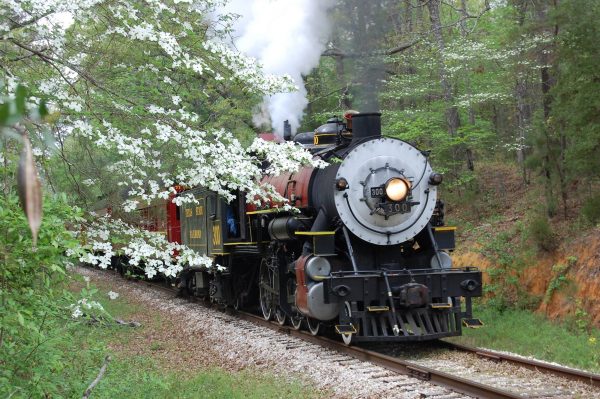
<point x="431" y="372"/>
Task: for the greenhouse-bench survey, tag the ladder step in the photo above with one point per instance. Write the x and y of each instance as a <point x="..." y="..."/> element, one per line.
<point x="345" y="329"/>
<point x="378" y="308"/>
<point x="443" y="305"/>
<point x="472" y="323"/>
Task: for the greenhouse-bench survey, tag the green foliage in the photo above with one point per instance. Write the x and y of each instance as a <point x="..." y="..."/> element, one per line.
<point x="138" y="377"/>
<point x="504" y="290"/>
<point x="530" y="334"/>
<point x="576" y="96"/>
<point x="582" y="318"/>
<point x="34" y="313"/>
<point x="508" y="252"/>
<point x="591" y="209"/>
<point x="559" y="278"/>
<point x="541" y="232"/>
<point x="13" y="110"/>
<point x="147" y="375"/>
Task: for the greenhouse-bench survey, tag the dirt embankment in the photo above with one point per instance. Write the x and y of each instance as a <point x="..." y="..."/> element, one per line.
<point x="568" y="278"/>
<point x="578" y="291"/>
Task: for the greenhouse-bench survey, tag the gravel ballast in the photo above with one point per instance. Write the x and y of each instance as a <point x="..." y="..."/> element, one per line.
<point x="218" y="339"/>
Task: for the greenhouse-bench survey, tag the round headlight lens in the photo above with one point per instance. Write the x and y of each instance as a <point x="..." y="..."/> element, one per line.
<point x="396" y="189"/>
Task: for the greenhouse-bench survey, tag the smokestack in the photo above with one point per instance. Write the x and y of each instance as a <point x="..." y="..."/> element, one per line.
<point x="287" y="130"/>
<point x="366" y="125"/>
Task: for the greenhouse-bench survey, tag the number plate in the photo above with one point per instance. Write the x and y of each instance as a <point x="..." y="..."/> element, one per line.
<point x="377" y="192"/>
<point x="396" y="207"/>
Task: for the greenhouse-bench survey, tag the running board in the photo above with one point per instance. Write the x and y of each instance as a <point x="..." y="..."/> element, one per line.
<point x="345" y="329"/>
<point x="472" y="323"/>
<point x="378" y="308"/>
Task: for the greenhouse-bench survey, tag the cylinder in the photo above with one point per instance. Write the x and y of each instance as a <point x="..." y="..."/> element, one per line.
<point x="285" y="228"/>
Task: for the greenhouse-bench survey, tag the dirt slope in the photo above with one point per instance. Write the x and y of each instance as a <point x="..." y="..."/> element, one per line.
<point x="494" y="206"/>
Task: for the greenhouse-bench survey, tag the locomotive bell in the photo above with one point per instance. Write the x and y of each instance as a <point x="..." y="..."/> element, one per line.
<point x="348" y="116"/>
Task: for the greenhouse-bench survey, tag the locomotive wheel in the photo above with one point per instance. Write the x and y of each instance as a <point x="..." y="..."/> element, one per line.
<point x="296" y="322"/>
<point x="313" y="325"/>
<point x="265" y="284"/>
<point x="280" y="316"/>
<point x="347" y="338"/>
<point x="296" y="317"/>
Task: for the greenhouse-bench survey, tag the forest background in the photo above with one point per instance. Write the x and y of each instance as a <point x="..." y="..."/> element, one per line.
<point x="504" y="94"/>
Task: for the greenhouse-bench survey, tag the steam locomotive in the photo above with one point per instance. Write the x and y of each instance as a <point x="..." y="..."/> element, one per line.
<point x="366" y="256"/>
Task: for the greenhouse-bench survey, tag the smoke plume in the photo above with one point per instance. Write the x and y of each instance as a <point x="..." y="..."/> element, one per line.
<point x="362" y="39"/>
<point x="287" y="37"/>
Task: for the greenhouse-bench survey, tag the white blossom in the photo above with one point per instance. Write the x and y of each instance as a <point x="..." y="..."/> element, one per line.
<point x="113" y="295"/>
<point x="76" y="312"/>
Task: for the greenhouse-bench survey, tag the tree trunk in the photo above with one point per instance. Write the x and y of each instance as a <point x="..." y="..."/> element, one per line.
<point x="452" y="117"/>
<point x="523" y="120"/>
<point x="523" y="108"/>
<point x="408" y="16"/>
<point x="419" y="19"/>
<point x="471" y="111"/>
<point x="554" y="142"/>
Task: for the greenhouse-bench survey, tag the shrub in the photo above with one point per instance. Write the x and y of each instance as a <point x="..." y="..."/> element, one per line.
<point x="541" y="233"/>
<point x="591" y="209"/>
<point x="34" y="314"/>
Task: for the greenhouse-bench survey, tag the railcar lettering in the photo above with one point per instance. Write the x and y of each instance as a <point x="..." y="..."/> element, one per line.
<point x="217" y="234"/>
<point x="195" y="234"/>
<point x="188" y="212"/>
<point x="199" y="210"/>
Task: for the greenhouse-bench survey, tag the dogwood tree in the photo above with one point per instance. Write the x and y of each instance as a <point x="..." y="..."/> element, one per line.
<point x="150" y="92"/>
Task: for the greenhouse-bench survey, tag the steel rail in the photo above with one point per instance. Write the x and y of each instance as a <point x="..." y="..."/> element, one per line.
<point x="569" y="373"/>
<point x="436" y="377"/>
<point x="396" y="365"/>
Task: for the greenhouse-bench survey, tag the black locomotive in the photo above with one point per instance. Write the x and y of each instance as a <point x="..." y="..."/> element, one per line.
<point x="366" y="256"/>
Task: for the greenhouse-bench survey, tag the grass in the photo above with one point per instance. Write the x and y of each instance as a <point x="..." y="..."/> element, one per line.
<point x="140" y="378"/>
<point x="146" y="375"/>
<point x="530" y="334"/>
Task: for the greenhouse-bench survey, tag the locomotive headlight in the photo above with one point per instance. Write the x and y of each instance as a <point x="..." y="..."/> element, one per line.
<point x="397" y="189"/>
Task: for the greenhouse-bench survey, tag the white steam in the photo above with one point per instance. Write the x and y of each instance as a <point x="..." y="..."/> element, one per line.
<point x="287" y="37"/>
